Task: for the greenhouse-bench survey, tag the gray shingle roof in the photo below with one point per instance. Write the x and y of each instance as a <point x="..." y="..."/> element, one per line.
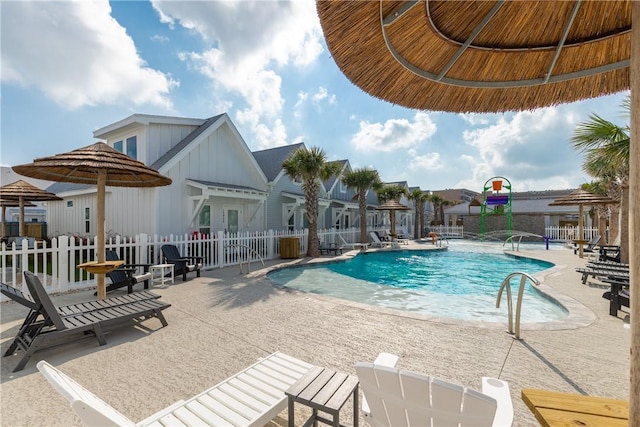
<point x="270" y="160"/>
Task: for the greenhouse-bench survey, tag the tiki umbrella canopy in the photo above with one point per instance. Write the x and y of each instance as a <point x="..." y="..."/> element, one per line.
<point x="20" y="192"/>
<point x="492" y="56"/>
<point x="392" y="206"/>
<point x="582" y="198"/>
<point x="100" y="165"/>
<point x="480" y="56"/>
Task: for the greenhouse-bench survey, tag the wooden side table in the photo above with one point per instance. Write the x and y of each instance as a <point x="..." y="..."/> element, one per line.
<point x="324" y="390"/>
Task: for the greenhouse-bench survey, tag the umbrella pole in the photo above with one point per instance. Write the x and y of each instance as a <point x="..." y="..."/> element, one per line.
<point x="634" y="215"/>
<point x="100" y="244"/>
<point x="580" y="229"/>
<point x="21" y="231"/>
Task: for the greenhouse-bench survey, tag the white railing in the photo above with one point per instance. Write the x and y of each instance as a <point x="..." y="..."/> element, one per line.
<point x="566" y="234"/>
<point x="56" y="264"/>
<point x="449" y="231"/>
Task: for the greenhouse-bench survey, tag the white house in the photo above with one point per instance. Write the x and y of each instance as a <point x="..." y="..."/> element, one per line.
<point x="286" y="201"/>
<point x="217" y="183"/>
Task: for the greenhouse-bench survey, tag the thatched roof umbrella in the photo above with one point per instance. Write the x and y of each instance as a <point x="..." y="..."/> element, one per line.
<point x="392" y="206"/>
<point x="21" y="192"/>
<point x="10" y="204"/>
<point x="491" y="56"/>
<point x="582" y="198"/>
<point x="100" y="165"/>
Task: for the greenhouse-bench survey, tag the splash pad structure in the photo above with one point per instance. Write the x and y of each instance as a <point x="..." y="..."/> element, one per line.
<point x="496" y="195"/>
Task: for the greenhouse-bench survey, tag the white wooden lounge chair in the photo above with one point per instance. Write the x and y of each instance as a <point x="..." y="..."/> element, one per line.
<point x="403" y="398"/>
<point x="347" y="245"/>
<point x="377" y="243"/>
<point x="251" y="397"/>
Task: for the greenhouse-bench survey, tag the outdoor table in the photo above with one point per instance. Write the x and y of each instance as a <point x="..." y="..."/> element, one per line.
<point x="580" y="243"/>
<point x="324" y="390"/>
<point x="95" y="267"/>
<point x="553" y="408"/>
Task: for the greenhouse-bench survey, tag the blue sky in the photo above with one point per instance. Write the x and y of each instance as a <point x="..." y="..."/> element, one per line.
<point x="69" y="68"/>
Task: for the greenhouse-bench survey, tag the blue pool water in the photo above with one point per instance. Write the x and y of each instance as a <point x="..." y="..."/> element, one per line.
<point x="461" y="282"/>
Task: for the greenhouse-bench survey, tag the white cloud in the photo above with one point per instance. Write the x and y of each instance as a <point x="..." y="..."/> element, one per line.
<point x="394" y="134"/>
<point x="529" y="148"/>
<point x="425" y="162"/>
<point x="268" y="137"/>
<point x="250" y="43"/>
<point x="475" y="118"/>
<point x="77" y="54"/>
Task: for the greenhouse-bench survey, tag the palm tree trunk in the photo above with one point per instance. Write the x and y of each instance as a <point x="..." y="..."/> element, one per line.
<point x="614" y="223"/>
<point x="362" y="206"/>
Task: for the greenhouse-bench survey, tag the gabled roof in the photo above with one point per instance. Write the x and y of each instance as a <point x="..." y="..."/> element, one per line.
<point x="136" y="120"/>
<point x="331" y="182"/>
<point x="271" y="159"/>
<point x="173" y="151"/>
<point x="63" y="187"/>
<point x="400" y="183"/>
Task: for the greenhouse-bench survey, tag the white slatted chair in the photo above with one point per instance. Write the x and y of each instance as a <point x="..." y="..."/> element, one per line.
<point x="402" y="398"/>
<point x="252" y="397"/>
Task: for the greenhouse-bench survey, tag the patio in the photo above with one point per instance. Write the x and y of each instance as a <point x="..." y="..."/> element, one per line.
<point x="222" y="322"/>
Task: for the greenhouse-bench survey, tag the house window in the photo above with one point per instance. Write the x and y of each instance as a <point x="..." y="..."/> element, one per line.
<point x="87" y="220"/>
<point x="204" y="220"/>
<point x="343" y="188"/>
<point x="132" y="147"/>
<point x="69" y="203"/>
<point x="128" y="146"/>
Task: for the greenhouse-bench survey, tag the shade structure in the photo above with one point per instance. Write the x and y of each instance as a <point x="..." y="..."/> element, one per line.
<point x="97" y="164"/>
<point x="20" y="192"/>
<point x="491" y="56"/>
<point x="392" y="206"/>
<point x="10" y="204"/>
<point x="582" y="198"/>
<point x="480" y="56"/>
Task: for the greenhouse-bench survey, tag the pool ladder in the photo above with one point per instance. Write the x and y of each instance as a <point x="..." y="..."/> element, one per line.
<point x="506" y="283"/>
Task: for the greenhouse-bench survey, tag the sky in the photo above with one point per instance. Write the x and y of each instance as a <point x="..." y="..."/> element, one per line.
<point x="71" y="67"/>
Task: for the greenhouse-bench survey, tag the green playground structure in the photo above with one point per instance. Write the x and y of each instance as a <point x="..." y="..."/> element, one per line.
<point x="496" y="201"/>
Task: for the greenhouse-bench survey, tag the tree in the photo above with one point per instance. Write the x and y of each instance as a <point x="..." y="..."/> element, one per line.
<point x="436" y="201"/>
<point x="362" y="180"/>
<point x="606" y="146"/>
<point x="419" y="197"/>
<point x="311" y="167"/>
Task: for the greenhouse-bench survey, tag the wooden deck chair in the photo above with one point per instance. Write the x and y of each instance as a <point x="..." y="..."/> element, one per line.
<point x="126" y="275"/>
<point x="33" y="317"/>
<point x="347" y="245"/>
<point x="49" y="328"/>
<point x="589" y="248"/>
<point x="252" y="397"/>
<point x="181" y="264"/>
<point x="402" y="398"/>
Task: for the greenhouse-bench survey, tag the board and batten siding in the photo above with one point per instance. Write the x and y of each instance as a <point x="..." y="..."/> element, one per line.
<point x="219" y="158"/>
<point x="162" y="137"/>
<point x="128" y="211"/>
<point x="276" y="201"/>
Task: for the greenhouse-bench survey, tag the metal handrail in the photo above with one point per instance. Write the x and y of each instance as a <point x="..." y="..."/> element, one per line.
<point x="238" y="245"/>
<point x="506" y="283"/>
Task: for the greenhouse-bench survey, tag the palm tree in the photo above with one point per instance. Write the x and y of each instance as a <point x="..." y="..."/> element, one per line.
<point x="607" y="158"/>
<point x="311" y="167"/>
<point x="362" y="180"/>
<point x="437" y="201"/>
<point x="419" y="197"/>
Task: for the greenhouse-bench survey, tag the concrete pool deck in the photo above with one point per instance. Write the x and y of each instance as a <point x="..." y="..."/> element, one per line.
<point x="224" y="321"/>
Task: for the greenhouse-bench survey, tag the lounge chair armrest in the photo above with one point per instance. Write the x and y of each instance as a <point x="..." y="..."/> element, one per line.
<point x="172" y="260"/>
<point x="499" y="390"/>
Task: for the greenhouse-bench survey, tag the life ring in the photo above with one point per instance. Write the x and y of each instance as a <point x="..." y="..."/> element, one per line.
<point x="433" y="237"/>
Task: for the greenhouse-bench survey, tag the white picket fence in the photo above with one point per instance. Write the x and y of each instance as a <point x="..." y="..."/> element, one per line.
<point x="57" y="264"/>
<point x="567" y="234"/>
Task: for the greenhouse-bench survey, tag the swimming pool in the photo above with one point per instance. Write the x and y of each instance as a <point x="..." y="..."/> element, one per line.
<point x="461" y="282"/>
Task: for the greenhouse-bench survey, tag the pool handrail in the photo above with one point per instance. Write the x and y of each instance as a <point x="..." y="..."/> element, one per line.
<point x="506" y="283"/>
